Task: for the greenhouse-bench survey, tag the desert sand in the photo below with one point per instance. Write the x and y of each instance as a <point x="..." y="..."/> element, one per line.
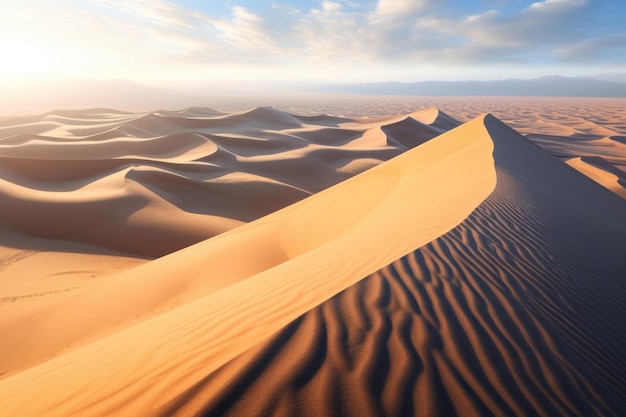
<point x="464" y="258"/>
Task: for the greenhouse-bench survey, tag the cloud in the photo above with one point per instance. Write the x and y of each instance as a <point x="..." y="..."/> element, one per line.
<point x="395" y="11"/>
<point x="401" y="33"/>
<point x="609" y="49"/>
<point x="555" y="6"/>
<point x="330" y="32"/>
<point x="159" y="12"/>
<point x="247" y="33"/>
<point x="531" y="34"/>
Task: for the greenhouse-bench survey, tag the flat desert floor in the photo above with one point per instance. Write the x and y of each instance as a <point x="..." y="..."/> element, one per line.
<point x="315" y="256"/>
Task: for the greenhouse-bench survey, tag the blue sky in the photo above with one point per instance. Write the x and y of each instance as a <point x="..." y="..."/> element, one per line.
<point x="186" y="41"/>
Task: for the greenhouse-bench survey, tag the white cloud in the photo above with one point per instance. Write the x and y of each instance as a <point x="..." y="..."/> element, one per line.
<point x="482" y="17"/>
<point x="331" y="7"/>
<point x="394" y="9"/>
<point x="110" y="35"/>
<point x="555" y="5"/>
<point x="533" y="33"/>
<point x="159" y="12"/>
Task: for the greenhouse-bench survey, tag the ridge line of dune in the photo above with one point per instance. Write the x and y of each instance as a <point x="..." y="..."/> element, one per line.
<point x="513" y="312"/>
<point x="369" y="221"/>
<point x="233" y="168"/>
<point x="153" y="207"/>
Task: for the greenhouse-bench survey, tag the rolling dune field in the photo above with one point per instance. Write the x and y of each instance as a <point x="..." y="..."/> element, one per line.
<point x="366" y="257"/>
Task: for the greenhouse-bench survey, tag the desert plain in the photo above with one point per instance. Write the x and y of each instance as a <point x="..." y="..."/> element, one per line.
<point x="315" y="256"/>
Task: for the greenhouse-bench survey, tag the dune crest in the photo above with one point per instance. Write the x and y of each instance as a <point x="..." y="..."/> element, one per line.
<point x="513" y="312"/>
<point x="284" y="264"/>
<point x="152" y="183"/>
<point x="311" y="265"/>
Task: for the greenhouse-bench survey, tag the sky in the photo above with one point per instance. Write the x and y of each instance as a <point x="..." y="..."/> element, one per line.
<point x="183" y="42"/>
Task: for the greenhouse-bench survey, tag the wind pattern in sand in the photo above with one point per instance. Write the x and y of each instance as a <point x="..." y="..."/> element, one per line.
<point x="314" y="265"/>
<point x="507" y="314"/>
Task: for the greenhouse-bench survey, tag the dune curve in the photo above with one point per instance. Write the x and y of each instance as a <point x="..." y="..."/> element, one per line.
<point x="411" y="290"/>
<point x="152" y="183"/>
<point x="513" y="312"/>
<point x="362" y="231"/>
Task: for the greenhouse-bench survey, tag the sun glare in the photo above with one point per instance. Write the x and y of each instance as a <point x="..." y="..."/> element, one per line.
<point x="25" y="60"/>
<point x="20" y="58"/>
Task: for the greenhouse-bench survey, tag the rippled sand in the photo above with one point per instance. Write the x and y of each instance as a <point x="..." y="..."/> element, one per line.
<point x="301" y="260"/>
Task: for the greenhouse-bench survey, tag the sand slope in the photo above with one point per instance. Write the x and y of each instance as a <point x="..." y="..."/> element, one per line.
<point x="514" y="312"/>
<point x="153" y="183"/>
<point x="102" y="176"/>
<point x="568" y="127"/>
<point x="602" y="171"/>
<point x="295" y="259"/>
<point x="472" y="275"/>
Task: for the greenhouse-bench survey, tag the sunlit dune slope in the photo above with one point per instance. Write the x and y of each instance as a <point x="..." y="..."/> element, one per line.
<point x="235" y="290"/>
<point x="519" y="310"/>
<point x="473" y="273"/>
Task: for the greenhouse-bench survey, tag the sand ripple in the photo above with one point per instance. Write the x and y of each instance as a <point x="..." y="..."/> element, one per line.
<point x="414" y="288"/>
<point x="507" y="314"/>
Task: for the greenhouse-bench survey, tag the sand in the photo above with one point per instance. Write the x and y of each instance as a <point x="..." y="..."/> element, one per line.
<point x="264" y="262"/>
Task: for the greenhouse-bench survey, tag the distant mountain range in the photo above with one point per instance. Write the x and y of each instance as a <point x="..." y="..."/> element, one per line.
<point x="128" y="95"/>
<point x="617" y="77"/>
<point x="553" y="85"/>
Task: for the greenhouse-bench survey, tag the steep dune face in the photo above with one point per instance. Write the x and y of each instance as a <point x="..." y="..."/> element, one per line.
<point x="236" y="289"/>
<point x="517" y="311"/>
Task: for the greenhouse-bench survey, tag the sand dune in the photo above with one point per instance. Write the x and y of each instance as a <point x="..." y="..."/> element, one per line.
<point x="565" y="127"/>
<point x="601" y="171"/>
<point x="272" y="270"/>
<point x="408" y="264"/>
<point x="126" y="193"/>
<point x="511" y="313"/>
<point x="164" y="165"/>
<point x="131" y="176"/>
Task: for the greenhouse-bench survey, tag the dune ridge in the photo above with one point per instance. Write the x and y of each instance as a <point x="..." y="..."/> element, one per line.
<point x="471" y="273"/>
<point x="566" y="127"/>
<point x="150" y="184"/>
<point x="151" y="203"/>
<point x="288" y="265"/>
<point x="513" y="312"/>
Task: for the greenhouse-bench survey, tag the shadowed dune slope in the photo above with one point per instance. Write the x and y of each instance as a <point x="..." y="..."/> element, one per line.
<point x="519" y="310"/>
<point x="236" y="289"/>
